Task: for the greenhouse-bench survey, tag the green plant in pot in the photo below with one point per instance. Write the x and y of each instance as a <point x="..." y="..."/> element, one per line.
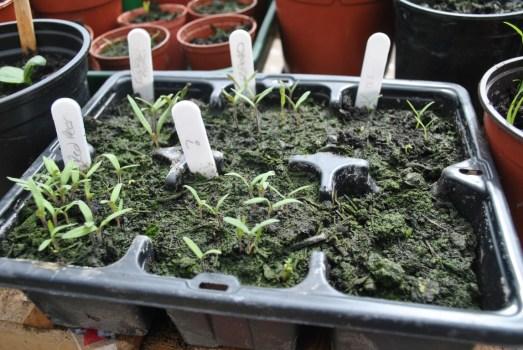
<point x="201" y="8"/>
<point x="453" y="40"/>
<point x="29" y="83"/>
<point x="168" y="15"/>
<point x="205" y="41"/>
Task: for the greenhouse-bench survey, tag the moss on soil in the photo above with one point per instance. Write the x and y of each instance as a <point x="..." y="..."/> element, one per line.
<point x="401" y="243"/>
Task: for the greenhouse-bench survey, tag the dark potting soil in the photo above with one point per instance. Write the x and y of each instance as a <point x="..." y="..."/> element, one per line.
<point x="502" y="99"/>
<point x="473" y="7"/>
<point x="220" y="6"/>
<point x="220" y="35"/>
<point x="155" y="14"/>
<point x="120" y="47"/>
<point x="402" y="243"/>
<point x="55" y="61"/>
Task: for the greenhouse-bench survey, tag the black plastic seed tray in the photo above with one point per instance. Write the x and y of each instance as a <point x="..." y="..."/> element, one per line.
<point x="215" y="309"/>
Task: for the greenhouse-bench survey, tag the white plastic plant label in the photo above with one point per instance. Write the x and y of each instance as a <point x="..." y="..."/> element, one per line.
<point x="240" y="46"/>
<point x="69" y="124"/>
<point x="373" y="70"/>
<point x="193" y="138"/>
<point x="141" y="63"/>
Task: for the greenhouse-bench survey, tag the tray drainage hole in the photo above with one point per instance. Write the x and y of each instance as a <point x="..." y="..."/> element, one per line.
<point x="213" y="286"/>
<point x="471" y="171"/>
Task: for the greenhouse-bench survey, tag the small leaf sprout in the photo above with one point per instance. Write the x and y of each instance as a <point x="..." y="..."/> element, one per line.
<point x="419" y="116"/>
<point x="197" y="251"/>
<point x="154" y="115"/>
<point x="19" y="76"/>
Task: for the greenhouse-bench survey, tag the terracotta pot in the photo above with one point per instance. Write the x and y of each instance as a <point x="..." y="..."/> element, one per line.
<point x="160" y="51"/>
<point x="132" y="4"/>
<point x="194" y="4"/>
<point x="329" y="36"/>
<point x="7" y="11"/>
<point x="214" y="56"/>
<point x="176" y="59"/>
<point x="98" y="14"/>
<point x="505" y="140"/>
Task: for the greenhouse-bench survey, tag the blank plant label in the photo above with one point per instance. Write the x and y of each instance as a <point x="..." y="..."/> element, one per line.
<point x="141" y="63"/>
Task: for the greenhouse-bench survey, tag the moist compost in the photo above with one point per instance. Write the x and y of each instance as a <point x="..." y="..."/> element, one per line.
<point x="120" y="47"/>
<point x="220" y="35"/>
<point x="155" y="14"/>
<point x="220" y="6"/>
<point x="473" y="7"/>
<point x="502" y="99"/>
<point x="55" y="61"/>
<point x="401" y="243"/>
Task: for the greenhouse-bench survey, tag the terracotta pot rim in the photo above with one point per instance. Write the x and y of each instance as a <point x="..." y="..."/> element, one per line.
<point x="493" y="16"/>
<point x="196" y="14"/>
<point x="207" y="20"/>
<point x="176" y="8"/>
<point x="94" y="51"/>
<point x="490" y="77"/>
<point x="5" y="4"/>
<point x="65" y="9"/>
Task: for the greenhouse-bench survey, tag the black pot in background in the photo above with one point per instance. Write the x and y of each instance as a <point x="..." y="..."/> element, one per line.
<point x="26" y="126"/>
<point x="453" y="47"/>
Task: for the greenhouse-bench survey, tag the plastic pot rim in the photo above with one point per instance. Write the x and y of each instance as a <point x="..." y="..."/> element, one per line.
<point x="186" y="44"/>
<point x="97" y="56"/>
<point x="486" y="82"/>
<point x="74" y="61"/>
<point x="457" y="15"/>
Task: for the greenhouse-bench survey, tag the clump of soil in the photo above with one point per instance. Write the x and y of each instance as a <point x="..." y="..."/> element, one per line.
<point x="120" y="47"/>
<point x="220" y="35"/>
<point x="474" y="7"/>
<point x="221" y="6"/>
<point x="155" y="14"/>
<point x="401" y="243"/>
<point x="55" y="61"/>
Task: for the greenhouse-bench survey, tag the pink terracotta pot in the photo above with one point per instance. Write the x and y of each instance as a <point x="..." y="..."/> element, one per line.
<point x="159" y="52"/>
<point x="7" y="11"/>
<point x="176" y="58"/>
<point x="213" y="56"/>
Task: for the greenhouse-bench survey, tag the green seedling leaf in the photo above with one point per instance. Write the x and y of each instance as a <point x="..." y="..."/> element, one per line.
<point x="261" y="225"/>
<point x="85" y="210"/>
<point x="79" y="231"/>
<point x="194" y="194"/>
<point x="286" y="201"/>
<point x="36" y="193"/>
<point x="11" y="75"/>
<point x="67" y="172"/>
<point x="221" y="201"/>
<point x="246" y="99"/>
<point x="239" y="177"/>
<point x="30" y="65"/>
<point x="262" y="95"/>
<point x="256" y="200"/>
<point x="262" y="177"/>
<point x="93" y="169"/>
<point x="44" y="245"/>
<point x="212" y="252"/>
<point x="193" y="247"/>
<point x="115" y="194"/>
<point x="114" y="215"/>
<point x="299" y="189"/>
<point x="302" y="99"/>
<point x="237" y="223"/>
<point x="139" y="114"/>
<point x="516" y="29"/>
<point x="51" y="167"/>
<point x="113" y="159"/>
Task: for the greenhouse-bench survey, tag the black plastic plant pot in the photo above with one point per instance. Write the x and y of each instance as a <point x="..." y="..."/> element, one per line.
<point x="213" y="309"/>
<point x="26" y="127"/>
<point x="453" y="47"/>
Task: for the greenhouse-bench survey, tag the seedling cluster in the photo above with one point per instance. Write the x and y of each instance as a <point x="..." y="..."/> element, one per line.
<point x="19" y="76"/>
<point x="65" y="205"/>
<point x="419" y="115"/>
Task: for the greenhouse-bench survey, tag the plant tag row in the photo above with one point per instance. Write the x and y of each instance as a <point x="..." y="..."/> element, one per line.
<point x="141" y="63"/>
<point x="240" y="46"/>
<point x="193" y="138"/>
<point x="70" y="130"/>
<point x="374" y="64"/>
